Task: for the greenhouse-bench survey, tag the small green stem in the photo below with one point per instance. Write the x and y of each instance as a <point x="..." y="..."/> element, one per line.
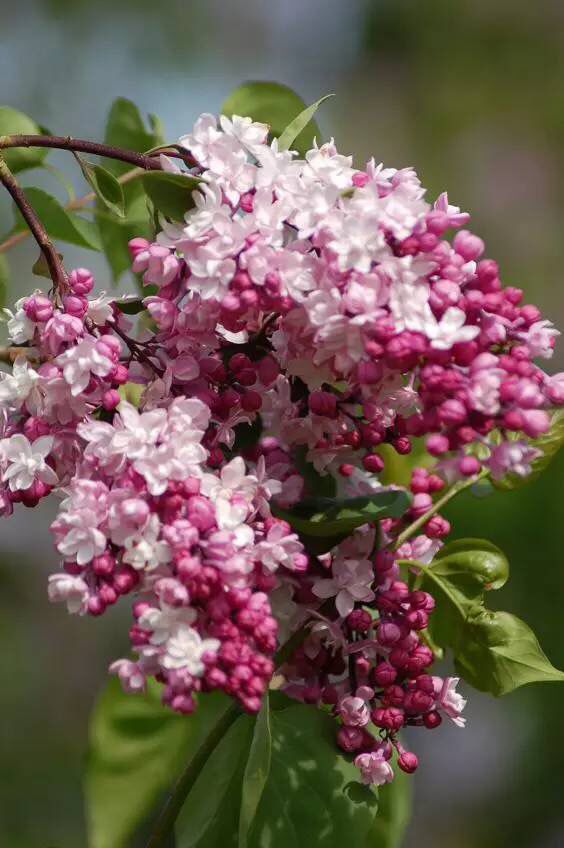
<point x="452" y="492"/>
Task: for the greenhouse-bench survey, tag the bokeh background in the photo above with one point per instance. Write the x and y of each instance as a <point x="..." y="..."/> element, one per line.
<point x="471" y="93"/>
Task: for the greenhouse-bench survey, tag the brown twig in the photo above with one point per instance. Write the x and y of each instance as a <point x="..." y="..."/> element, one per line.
<point x="56" y="269"/>
<point x="82" y="145"/>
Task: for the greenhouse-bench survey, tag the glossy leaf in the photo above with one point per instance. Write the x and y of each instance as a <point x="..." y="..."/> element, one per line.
<point x="171" y="194"/>
<point x="549" y="444"/>
<point x="394" y="808"/>
<point x="326" y="517"/>
<point x="17" y="159"/>
<point x="457" y="578"/>
<point x="125" y="128"/>
<point x="137" y="748"/>
<point x="499" y="652"/>
<point x="59" y="222"/>
<point x="298" y="125"/>
<point x="257" y="771"/>
<point x="311" y="797"/>
<point x="105" y="185"/>
<point x="273" y="104"/>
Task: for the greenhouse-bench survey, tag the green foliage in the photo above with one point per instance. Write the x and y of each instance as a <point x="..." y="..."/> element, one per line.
<point x="17" y="159"/>
<point x="40" y="267"/>
<point x="549" y="444"/>
<point x="494" y="651"/>
<point x="298" y="125"/>
<point x="394" y="807"/>
<point x="273" y="104"/>
<point x="125" y="128"/>
<point x="500" y="652"/>
<point x="310" y="793"/>
<point x="323" y="522"/>
<point x="58" y="221"/>
<point x="257" y="770"/>
<point x="171" y="194"/>
<point x="259" y="783"/>
<point x="106" y="187"/>
<point x="137" y="748"/>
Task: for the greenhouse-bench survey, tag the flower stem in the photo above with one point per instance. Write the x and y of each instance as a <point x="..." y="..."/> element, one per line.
<point x="452" y="492"/>
<point x="148" y="162"/>
<point x="56" y="269"/>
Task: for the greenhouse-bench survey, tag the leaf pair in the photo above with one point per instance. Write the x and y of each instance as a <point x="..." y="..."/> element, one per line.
<point x="268" y="782"/>
<point x="494" y="651"/>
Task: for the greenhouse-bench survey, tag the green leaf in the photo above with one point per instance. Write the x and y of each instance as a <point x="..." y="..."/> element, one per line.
<point x="137" y="747"/>
<point x="170" y="193"/>
<point x="298" y="125"/>
<point x="457" y="578"/>
<point x="499" y="653"/>
<point x="4" y="277"/>
<point x="316" y="484"/>
<point x="494" y="651"/>
<point x="549" y="444"/>
<point x="256" y="771"/>
<point x="105" y="185"/>
<point x="17" y="159"/>
<point x="59" y="222"/>
<point x="394" y="809"/>
<point x="326" y="521"/>
<point x="131" y="306"/>
<point x="125" y="128"/>
<point x="311" y="796"/>
<point x="40" y="267"/>
<point x="273" y="104"/>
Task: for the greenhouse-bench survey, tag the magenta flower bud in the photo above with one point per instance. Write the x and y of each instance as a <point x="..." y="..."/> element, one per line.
<point x="81" y="281"/>
<point x="402" y="445"/>
<point x="452" y="412"/>
<point x="373" y="463"/>
<point x="437" y="444"/>
<point x="95" y="606"/>
<point x="201" y="513"/>
<point x="119" y="374"/>
<point x="172" y="592"/>
<point x="323" y="403"/>
<point x="38" y="308"/>
<point x="109" y="346"/>
<point x="422" y="502"/>
<point x="268" y="370"/>
<point x="390" y="718"/>
<point x="239" y="362"/>
<point x="359" y="620"/>
<point x="388" y="633"/>
<point x="393" y="696"/>
<point x="468" y="466"/>
<point x="369" y="372"/>
<point x="110" y="399"/>
<point x="408" y="762"/>
<point x="468" y="245"/>
<point x="103" y="565"/>
<point x="137" y="245"/>
<point x="535" y="422"/>
<point x="75" y="305"/>
<point x="350" y="739"/>
<point x="437" y="527"/>
<point x="432" y="719"/>
<point x="251" y="401"/>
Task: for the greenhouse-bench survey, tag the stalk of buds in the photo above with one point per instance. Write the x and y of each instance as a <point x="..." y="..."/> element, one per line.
<point x="323" y="308"/>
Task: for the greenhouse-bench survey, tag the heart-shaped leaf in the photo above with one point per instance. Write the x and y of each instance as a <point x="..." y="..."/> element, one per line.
<point x="498" y="653"/>
<point x="257" y="771"/>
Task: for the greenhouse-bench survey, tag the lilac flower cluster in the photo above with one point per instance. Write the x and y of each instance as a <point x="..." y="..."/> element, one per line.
<point x="321" y="308"/>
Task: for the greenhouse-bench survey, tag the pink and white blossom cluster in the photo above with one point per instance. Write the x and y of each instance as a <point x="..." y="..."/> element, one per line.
<point x="304" y="313"/>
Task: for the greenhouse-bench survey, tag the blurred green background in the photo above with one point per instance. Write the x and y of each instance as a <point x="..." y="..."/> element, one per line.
<point x="471" y="93"/>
